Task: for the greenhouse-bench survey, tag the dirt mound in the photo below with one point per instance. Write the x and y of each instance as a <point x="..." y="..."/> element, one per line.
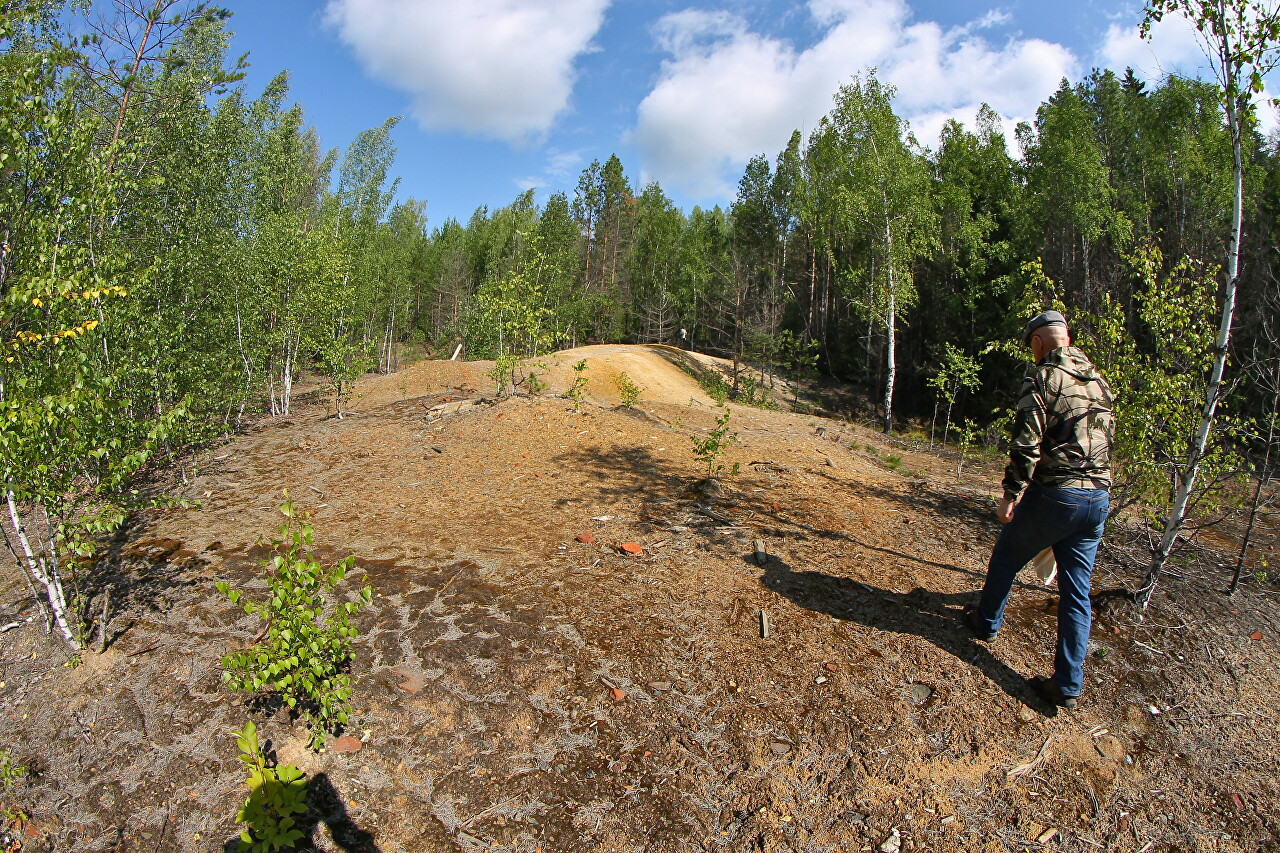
<point x="525" y="687"/>
<point x="663" y="374"/>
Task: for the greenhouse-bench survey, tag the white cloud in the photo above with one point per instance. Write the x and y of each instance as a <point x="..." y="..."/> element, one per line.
<point x="559" y="169"/>
<point x="1173" y="47"/>
<point x="727" y="93"/>
<point x="497" y="68"/>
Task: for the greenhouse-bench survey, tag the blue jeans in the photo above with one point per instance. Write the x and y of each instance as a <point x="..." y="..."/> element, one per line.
<point x="1070" y="520"/>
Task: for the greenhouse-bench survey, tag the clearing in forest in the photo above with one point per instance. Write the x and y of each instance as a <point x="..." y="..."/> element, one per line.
<point x="525" y="684"/>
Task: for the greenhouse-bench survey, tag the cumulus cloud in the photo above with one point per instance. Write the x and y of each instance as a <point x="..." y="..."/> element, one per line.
<point x="727" y="93"/>
<point x="496" y="68"/>
<point x="1172" y="48"/>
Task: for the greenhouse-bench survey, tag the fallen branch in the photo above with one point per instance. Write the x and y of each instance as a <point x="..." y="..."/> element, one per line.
<point x="1033" y="765"/>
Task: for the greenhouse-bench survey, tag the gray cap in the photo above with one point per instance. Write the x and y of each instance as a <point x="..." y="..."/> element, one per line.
<point x="1044" y="318"/>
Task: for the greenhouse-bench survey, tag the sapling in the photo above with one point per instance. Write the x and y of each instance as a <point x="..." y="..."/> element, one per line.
<point x="710" y="449"/>
<point x="307" y="642"/>
<point x="628" y="391"/>
<point x="276" y="794"/>
<point x="578" y="390"/>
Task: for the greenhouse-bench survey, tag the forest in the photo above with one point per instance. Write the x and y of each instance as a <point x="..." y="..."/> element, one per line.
<point x="177" y="250"/>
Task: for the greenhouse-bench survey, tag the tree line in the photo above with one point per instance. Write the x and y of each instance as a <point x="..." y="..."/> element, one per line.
<point x="175" y="250"/>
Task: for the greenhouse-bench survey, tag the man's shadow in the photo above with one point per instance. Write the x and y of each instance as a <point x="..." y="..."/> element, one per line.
<point x="935" y="616"/>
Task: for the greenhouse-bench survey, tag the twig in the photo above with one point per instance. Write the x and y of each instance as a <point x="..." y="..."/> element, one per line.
<point x="102" y="621"/>
<point x="144" y="650"/>
<point x="723" y="519"/>
<point x="1032" y="765"/>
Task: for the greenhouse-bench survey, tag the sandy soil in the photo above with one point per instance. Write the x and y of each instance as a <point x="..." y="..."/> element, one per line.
<point x="521" y="690"/>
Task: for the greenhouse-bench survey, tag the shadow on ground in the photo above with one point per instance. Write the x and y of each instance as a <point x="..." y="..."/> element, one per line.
<point x="933" y="616"/>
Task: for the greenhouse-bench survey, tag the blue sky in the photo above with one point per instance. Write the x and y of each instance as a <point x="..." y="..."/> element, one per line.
<point x="502" y="95"/>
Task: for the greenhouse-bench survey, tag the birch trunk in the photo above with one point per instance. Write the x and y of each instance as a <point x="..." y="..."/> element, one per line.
<point x="45" y="571"/>
<point x="1186" y="478"/>
<point x="891" y="362"/>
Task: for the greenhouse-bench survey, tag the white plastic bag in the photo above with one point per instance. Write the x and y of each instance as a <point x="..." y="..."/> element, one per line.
<point x="1045" y="565"/>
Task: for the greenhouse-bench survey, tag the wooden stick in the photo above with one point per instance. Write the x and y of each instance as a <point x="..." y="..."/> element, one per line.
<point x="102" y="621"/>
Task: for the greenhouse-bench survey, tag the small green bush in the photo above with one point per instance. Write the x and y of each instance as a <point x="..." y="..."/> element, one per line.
<point x="276" y="794"/>
<point x="627" y="390"/>
<point x="578" y="390"/>
<point x="752" y="392"/>
<point x="308" y="642"/>
<point x="710" y="449"/>
<point x="714" y="384"/>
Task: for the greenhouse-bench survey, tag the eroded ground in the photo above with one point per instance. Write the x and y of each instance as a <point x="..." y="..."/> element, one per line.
<point x="521" y="690"/>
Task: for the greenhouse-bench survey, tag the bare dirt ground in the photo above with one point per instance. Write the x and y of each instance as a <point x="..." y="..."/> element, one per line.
<point x="521" y="690"/>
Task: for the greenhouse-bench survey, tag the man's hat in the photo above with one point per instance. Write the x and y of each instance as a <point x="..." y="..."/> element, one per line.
<point x="1044" y="318"/>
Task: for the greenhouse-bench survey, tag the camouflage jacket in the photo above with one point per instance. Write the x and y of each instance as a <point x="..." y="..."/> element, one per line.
<point x="1063" y="429"/>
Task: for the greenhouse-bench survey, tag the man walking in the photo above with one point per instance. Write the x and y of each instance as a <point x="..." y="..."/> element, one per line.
<point x="1056" y="494"/>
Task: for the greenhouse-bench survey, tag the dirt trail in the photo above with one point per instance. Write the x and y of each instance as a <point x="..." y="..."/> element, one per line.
<point x="521" y="690"/>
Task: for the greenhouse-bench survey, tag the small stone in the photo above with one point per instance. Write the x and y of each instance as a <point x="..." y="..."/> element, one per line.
<point x="831" y="667"/>
<point x="632" y="548"/>
<point x="413" y="681"/>
<point x="347" y="743"/>
<point x="586" y="537"/>
<point x="617" y="693"/>
<point x="1047" y="836"/>
<point x="780" y="748"/>
<point x="659" y="685"/>
<point x="892" y="844"/>
<point x="1256" y="635"/>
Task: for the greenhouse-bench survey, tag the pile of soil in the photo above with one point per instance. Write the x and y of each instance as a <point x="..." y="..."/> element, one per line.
<point x="524" y="683"/>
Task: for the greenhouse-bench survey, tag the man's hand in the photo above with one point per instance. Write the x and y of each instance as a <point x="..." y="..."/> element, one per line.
<point x="1004" y="511"/>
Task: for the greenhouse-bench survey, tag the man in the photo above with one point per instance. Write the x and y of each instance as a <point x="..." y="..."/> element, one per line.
<point x="1056" y="494"/>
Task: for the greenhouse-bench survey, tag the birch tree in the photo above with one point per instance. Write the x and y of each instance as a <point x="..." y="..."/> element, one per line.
<point x="882" y="197"/>
<point x="1240" y="39"/>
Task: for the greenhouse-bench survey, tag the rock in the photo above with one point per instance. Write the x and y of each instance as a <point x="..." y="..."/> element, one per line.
<point x="659" y="685"/>
<point x="921" y="693"/>
<point x="892" y="844"/>
<point x="586" y="537"/>
<point x="780" y="748"/>
<point x="413" y="681"/>
<point x="831" y="667"/>
<point x="617" y="693"/>
<point x="632" y="548"/>
<point x="347" y="743"/>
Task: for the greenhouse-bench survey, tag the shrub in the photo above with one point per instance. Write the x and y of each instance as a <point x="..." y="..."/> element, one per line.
<point x="627" y="390"/>
<point x="710" y="449"/>
<point x="578" y="390"/>
<point x="276" y="794"/>
<point x="308" y="637"/>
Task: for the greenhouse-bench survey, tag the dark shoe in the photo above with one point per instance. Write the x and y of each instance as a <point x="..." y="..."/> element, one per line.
<point x="974" y="623"/>
<point x="1048" y="690"/>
